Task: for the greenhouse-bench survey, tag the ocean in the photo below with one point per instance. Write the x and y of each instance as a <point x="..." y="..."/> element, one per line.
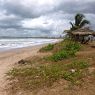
<point x="13" y="43"/>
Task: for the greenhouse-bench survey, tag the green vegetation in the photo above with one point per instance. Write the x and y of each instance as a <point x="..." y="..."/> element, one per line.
<point x="49" y="47"/>
<point x="76" y="71"/>
<point x="78" y="65"/>
<point x="69" y="50"/>
<point x="72" y="46"/>
<point x="80" y="22"/>
<point x="59" y="56"/>
<point x="37" y="77"/>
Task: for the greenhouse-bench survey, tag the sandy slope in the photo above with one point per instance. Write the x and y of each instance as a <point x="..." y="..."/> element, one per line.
<point x="9" y="58"/>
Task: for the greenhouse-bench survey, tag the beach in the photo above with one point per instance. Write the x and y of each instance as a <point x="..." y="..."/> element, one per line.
<point x="47" y="47"/>
<point x="8" y="60"/>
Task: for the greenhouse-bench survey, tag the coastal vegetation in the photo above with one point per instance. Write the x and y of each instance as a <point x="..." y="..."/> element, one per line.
<point x="41" y="72"/>
<point x="40" y="76"/>
<point x="68" y="50"/>
<point x="47" y="48"/>
<point x="68" y="62"/>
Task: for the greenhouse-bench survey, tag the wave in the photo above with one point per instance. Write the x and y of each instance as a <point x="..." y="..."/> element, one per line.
<point x="6" y="44"/>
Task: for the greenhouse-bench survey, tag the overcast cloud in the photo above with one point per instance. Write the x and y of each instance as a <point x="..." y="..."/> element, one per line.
<point x="42" y="17"/>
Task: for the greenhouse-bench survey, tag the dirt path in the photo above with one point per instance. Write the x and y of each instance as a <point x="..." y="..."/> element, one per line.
<point x="7" y="61"/>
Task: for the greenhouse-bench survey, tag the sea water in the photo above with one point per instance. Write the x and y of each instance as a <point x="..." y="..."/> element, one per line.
<point x="12" y="43"/>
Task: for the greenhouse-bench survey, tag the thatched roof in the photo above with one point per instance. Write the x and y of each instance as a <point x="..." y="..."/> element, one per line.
<point x="83" y="32"/>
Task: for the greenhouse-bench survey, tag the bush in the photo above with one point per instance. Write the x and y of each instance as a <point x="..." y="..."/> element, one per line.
<point x="49" y="47"/>
<point x="61" y="55"/>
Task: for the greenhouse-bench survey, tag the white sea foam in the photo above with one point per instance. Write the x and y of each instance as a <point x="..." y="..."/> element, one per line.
<point x="6" y="44"/>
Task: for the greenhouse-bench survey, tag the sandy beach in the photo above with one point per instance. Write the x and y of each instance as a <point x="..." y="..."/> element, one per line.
<point x="8" y="60"/>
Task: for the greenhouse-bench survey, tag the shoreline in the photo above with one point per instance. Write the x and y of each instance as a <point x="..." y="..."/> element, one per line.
<point x="22" y="50"/>
<point x="32" y="45"/>
<point x="10" y="57"/>
<point x="8" y="60"/>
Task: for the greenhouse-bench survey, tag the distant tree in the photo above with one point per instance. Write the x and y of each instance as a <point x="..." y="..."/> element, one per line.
<point x="80" y="22"/>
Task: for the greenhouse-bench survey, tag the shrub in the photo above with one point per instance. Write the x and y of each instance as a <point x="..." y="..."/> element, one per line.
<point x="72" y="46"/>
<point x="59" y="56"/>
<point x="49" y="47"/>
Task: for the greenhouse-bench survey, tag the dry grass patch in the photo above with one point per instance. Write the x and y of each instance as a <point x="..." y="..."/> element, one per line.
<point x="31" y="78"/>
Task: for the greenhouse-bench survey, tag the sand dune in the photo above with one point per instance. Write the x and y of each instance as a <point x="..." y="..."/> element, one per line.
<point x="8" y="60"/>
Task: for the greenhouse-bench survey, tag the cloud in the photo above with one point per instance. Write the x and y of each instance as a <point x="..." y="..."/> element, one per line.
<point x="29" y="8"/>
<point x="9" y="21"/>
<point x="42" y="17"/>
<point x="36" y="8"/>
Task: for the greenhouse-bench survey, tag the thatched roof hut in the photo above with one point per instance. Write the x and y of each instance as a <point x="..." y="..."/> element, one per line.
<point x="82" y="35"/>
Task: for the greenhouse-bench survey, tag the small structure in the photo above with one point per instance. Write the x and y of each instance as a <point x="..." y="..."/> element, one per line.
<point x="83" y="35"/>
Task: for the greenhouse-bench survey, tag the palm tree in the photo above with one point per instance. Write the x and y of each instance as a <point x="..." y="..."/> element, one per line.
<point x="80" y="22"/>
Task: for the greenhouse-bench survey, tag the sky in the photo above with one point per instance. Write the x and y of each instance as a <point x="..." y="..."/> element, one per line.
<point x="42" y="17"/>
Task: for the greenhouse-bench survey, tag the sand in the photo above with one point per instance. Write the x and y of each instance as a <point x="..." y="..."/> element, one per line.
<point x="8" y="60"/>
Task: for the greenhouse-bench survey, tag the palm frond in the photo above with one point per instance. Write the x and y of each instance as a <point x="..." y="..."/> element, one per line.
<point x="72" y="24"/>
<point x="84" y="22"/>
<point x="78" y="19"/>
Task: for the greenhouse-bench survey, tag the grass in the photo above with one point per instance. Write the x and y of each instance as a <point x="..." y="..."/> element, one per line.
<point x="72" y="46"/>
<point x="49" y="47"/>
<point x="76" y="71"/>
<point x="61" y="55"/>
<point x="68" y="50"/>
<point x="33" y="78"/>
